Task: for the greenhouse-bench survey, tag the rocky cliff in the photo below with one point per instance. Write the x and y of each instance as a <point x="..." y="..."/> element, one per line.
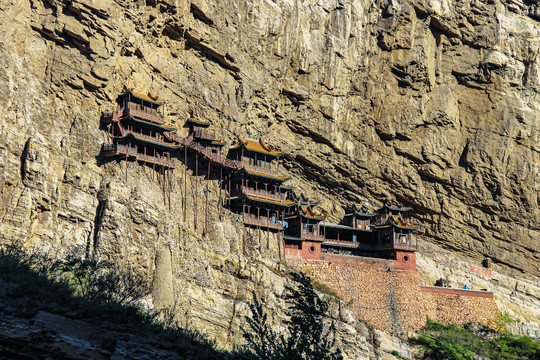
<point x="431" y="104"/>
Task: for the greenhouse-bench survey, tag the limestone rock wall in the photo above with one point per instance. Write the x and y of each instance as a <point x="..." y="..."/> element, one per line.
<point x="429" y="103"/>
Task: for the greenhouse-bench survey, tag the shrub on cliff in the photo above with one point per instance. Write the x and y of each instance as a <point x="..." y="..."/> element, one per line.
<point x="305" y="336"/>
<point x="471" y="342"/>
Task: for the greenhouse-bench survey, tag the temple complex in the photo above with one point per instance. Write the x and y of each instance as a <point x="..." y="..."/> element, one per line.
<point x="385" y="234"/>
<point x="303" y="236"/>
<point x="256" y="189"/>
<point x="250" y="184"/>
<point x="395" y="239"/>
<point x="357" y="257"/>
<point x="138" y="132"/>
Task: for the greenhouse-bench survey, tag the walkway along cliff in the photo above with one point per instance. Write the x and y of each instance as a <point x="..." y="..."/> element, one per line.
<point x="368" y="259"/>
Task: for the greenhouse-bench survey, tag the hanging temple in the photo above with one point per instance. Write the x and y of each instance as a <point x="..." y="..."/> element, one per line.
<point x="251" y="185"/>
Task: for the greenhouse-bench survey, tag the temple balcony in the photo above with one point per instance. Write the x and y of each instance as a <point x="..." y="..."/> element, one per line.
<point x="341" y="242"/>
<point x="262" y="194"/>
<point x="401" y="244"/>
<point x="204" y="134"/>
<point x="207" y="152"/>
<point x="156" y="139"/>
<point x="350" y="243"/>
<point x="312" y="236"/>
<point x="262" y="170"/>
<point x="108" y="117"/>
<point x="262" y="221"/>
<point x="145" y="113"/>
<point x="163" y="161"/>
<point x="131" y="152"/>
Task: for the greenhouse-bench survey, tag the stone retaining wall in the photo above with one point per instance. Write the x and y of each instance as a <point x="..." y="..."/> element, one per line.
<point x="392" y="300"/>
<point x="456" y="306"/>
<point x="384" y="297"/>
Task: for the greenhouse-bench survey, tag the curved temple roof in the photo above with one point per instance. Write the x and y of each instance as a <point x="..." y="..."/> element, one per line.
<point x="393" y="208"/>
<point x="269" y="176"/>
<point x="198" y="122"/>
<point x="399" y="222"/>
<point x="308" y="213"/>
<point x="142" y="97"/>
<point x="257" y="146"/>
<point x="149" y="123"/>
<point x="285" y="203"/>
<point x="360" y="214"/>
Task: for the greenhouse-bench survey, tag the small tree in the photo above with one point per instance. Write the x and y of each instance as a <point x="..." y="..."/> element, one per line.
<point x="305" y="337"/>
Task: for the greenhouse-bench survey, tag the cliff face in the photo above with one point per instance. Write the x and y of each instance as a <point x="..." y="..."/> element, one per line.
<point x="428" y="103"/>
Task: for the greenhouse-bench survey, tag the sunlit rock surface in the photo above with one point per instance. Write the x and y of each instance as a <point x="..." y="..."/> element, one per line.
<point x="431" y="104"/>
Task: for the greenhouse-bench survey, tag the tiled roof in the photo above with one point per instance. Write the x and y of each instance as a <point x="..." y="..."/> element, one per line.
<point x="257" y="145"/>
<point x="145" y="97"/>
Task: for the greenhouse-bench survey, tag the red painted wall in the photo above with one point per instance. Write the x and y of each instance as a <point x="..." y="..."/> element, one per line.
<point x="405" y="260"/>
<point x="308" y="250"/>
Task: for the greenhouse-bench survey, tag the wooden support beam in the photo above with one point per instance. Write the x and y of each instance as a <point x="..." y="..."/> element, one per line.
<point x="259" y="226"/>
<point x="164" y="185"/>
<point x="196" y="186"/>
<point x="185" y="182"/>
<point x="220" y="198"/>
<point x="206" y="200"/>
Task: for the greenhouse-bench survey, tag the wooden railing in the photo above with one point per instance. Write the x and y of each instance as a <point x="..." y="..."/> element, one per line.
<point x="312" y="236"/>
<point x="110" y="116"/>
<point x="204" y="134"/>
<point x="261" y="170"/>
<point x="262" y="221"/>
<point x="341" y="242"/>
<point x="148" y="137"/>
<point x="263" y="194"/>
<point x="141" y="112"/>
<point x="211" y="155"/>
<point x="118" y="149"/>
<point x="405" y="245"/>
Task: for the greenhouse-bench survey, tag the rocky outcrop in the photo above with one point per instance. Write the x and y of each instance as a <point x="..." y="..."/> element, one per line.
<point x="428" y="103"/>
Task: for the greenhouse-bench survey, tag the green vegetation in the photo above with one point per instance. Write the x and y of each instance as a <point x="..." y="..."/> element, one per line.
<point x="396" y="353"/>
<point x="325" y="289"/>
<point x="94" y="291"/>
<point x="304" y="338"/>
<point x="502" y="320"/>
<point x="454" y="343"/>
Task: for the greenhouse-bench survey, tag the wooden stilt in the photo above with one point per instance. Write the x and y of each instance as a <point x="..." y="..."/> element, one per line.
<point x="185" y="182"/>
<point x="196" y="186"/>
<point x="170" y="187"/>
<point x="229" y="191"/>
<point x="164" y="186"/>
<point x="206" y="200"/>
<point x="220" y="198"/>
<point x="259" y="226"/>
<point x="126" y="166"/>
<point x="282" y="242"/>
<point x="267" y="229"/>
